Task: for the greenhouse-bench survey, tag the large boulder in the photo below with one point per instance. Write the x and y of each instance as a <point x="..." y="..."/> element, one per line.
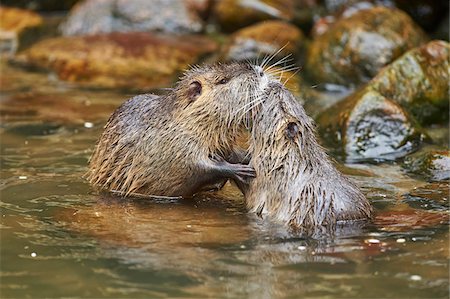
<point x="355" y="48"/>
<point x="263" y="39"/>
<point x="121" y="60"/>
<point x="104" y="16"/>
<point x="234" y="14"/>
<point x="380" y="120"/>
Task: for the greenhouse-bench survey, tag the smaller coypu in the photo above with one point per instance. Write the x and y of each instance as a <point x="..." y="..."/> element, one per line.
<point x="296" y="183"/>
<point x="175" y="144"/>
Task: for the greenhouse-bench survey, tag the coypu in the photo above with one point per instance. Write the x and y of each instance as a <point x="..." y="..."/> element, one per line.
<point x="296" y="182"/>
<point x="176" y="144"/>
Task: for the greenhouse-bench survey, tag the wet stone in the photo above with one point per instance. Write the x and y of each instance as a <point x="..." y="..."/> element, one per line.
<point x="263" y="39"/>
<point x="380" y="120"/>
<point x="369" y="126"/>
<point x="418" y="81"/>
<point x="15" y="28"/>
<point x="434" y="165"/>
<point x="139" y="61"/>
<point x="104" y="16"/>
<point x="234" y="14"/>
<point x="355" y="48"/>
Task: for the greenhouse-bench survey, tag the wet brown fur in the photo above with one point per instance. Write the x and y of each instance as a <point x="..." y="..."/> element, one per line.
<point x="162" y="145"/>
<point x="296" y="183"/>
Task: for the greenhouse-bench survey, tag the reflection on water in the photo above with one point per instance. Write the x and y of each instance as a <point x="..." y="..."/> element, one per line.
<point x="61" y="239"/>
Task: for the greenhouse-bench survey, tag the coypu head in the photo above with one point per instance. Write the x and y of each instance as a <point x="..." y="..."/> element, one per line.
<point x="218" y="98"/>
<point x="296" y="183"/>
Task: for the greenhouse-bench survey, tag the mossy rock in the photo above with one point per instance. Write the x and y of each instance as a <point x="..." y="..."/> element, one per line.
<point x="419" y="81"/>
<point x="140" y="61"/>
<point x="354" y="49"/>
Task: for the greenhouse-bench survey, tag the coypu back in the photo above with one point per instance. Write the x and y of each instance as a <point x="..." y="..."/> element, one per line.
<point x="296" y="183"/>
<point x="176" y="144"/>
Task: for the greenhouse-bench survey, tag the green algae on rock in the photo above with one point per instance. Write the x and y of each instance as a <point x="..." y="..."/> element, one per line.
<point x="434" y="165"/>
<point x="413" y="88"/>
<point x="419" y="81"/>
<point x="354" y="49"/>
<point x="234" y="14"/>
<point x="99" y="16"/>
<point x="263" y="39"/>
<point x="369" y="126"/>
<point x="118" y="60"/>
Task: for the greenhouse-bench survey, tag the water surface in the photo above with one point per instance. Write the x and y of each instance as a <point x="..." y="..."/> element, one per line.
<point x="61" y="239"/>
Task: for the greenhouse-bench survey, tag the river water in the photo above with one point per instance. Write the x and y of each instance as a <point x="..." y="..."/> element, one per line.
<point x="61" y="239"/>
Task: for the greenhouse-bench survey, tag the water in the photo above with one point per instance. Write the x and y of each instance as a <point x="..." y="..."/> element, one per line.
<point x="60" y="239"/>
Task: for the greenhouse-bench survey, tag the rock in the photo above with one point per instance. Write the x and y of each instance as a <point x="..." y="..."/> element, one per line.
<point x="434" y="165"/>
<point x="201" y="7"/>
<point x="122" y="60"/>
<point x="263" y="39"/>
<point x="418" y="81"/>
<point x="380" y="118"/>
<point x="408" y="219"/>
<point x="369" y="126"/>
<point x="16" y="26"/>
<point x="234" y="14"/>
<point x="105" y="16"/>
<point x="23" y="109"/>
<point x="355" y="48"/>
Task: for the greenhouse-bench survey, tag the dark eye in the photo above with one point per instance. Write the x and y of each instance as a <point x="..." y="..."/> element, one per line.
<point x="223" y="81"/>
<point x="292" y="130"/>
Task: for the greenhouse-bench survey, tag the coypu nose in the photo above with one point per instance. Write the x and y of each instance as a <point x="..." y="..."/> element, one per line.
<point x="259" y="71"/>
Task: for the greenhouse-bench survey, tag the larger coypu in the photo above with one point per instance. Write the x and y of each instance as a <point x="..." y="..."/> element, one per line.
<point x="175" y="144"/>
<point x="296" y="183"/>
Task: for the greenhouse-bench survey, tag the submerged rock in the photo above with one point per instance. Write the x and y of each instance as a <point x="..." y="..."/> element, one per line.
<point x="369" y="126"/>
<point x="354" y="49"/>
<point x="419" y="81"/>
<point x="434" y="165"/>
<point x="408" y="219"/>
<point x="234" y="14"/>
<point x="263" y="39"/>
<point x="16" y="28"/>
<point x="104" y="16"/>
<point x="124" y="60"/>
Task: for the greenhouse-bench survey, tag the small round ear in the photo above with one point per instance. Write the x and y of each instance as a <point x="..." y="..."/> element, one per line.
<point x="194" y="90"/>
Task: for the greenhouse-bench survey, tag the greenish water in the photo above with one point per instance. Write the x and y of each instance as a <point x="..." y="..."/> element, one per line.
<point x="59" y="239"/>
